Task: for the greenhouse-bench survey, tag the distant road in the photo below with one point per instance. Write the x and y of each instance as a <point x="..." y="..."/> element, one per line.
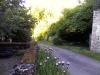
<point x="80" y="65"/>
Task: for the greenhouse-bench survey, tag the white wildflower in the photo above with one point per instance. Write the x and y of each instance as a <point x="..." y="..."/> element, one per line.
<point x="45" y="61"/>
<point x="41" y="63"/>
<point x="67" y="63"/>
<point x="57" y="64"/>
<point x="48" y="57"/>
<point x="55" y="57"/>
<point x="64" y="71"/>
<point x="63" y="62"/>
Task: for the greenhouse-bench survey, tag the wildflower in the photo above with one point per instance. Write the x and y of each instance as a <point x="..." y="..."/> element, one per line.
<point x="57" y="64"/>
<point x="41" y="63"/>
<point x="62" y="62"/>
<point x="68" y="63"/>
<point x="45" y="61"/>
<point x="55" y="58"/>
<point x="64" y="71"/>
<point x="50" y="50"/>
<point x="48" y="57"/>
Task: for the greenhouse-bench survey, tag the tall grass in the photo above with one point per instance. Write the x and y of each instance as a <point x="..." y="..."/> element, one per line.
<point x="46" y="65"/>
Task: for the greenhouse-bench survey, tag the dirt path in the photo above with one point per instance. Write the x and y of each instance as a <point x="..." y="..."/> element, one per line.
<point x="80" y="65"/>
<point x="6" y="64"/>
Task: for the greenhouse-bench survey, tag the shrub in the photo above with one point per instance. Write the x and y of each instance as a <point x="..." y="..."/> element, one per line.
<point x="15" y="22"/>
<point x="57" y="41"/>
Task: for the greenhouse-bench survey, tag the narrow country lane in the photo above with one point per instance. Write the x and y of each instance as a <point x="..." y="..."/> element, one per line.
<point x="80" y="65"/>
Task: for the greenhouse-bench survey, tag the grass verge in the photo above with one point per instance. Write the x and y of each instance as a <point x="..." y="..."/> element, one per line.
<point x="82" y="50"/>
<point x="47" y="66"/>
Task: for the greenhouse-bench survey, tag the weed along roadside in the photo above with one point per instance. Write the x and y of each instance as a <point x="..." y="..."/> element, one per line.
<point x="49" y="65"/>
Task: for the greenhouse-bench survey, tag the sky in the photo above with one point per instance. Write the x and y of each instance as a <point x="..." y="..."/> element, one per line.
<point x="54" y="6"/>
<point x="51" y="3"/>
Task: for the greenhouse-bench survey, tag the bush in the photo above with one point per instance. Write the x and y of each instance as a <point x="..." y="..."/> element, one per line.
<point x="15" y="22"/>
<point x="57" y="41"/>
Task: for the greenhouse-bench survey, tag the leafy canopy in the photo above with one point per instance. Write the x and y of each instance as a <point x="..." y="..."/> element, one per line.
<point x="15" y="22"/>
<point x="76" y="22"/>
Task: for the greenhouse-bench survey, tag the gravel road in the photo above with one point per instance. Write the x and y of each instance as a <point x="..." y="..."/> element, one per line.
<point x="79" y="64"/>
<point x="6" y="64"/>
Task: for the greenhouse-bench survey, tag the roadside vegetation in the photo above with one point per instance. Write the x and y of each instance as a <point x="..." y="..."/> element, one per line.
<point x="82" y="50"/>
<point x="15" y="21"/>
<point x="47" y="65"/>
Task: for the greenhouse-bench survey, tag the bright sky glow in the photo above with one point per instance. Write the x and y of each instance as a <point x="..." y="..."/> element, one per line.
<point x="54" y="6"/>
<point x="52" y="3"/>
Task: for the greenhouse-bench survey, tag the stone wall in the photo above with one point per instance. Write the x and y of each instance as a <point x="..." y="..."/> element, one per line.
<point x="95" y="38"/>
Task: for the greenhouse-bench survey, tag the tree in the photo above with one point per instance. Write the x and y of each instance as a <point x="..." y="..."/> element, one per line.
<point x="76" y="22"/>
<point x="15" y="22"/>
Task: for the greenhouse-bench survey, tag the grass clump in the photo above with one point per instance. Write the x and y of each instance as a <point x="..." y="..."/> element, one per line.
<point x="46" y="65"/>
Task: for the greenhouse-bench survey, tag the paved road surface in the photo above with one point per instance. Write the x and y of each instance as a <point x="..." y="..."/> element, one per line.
<point x="6" y="64"/>
<point x="80" y="65"/>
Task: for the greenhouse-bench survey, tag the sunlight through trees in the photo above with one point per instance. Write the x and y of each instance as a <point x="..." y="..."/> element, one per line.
<point x="47" y="12"/>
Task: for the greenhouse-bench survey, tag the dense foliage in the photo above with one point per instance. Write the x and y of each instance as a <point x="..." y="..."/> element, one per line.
<point x="75" y="25"/>
<point x="15" y="22"/>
